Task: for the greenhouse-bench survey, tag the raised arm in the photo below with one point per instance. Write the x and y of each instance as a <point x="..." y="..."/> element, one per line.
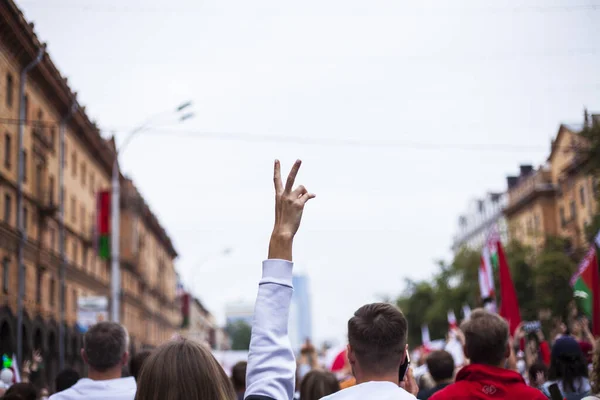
<point x="271" y="364"/>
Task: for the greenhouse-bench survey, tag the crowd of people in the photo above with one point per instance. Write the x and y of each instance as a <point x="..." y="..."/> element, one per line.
<point x="493" y="365"/>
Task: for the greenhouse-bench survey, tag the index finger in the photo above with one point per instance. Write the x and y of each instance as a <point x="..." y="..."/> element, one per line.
<point x="289" y="184"/>
<point x="277" y="177"/>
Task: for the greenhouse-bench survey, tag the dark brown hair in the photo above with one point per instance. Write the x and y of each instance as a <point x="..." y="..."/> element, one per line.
<point x="377" y="336"/>
<point x="105" y="344"/>
<point x="486" y="338"/>
<point x="183" y="370"/>
<point x="137" y="362"/>
<point x="26" y="391"/>
<point x="318" y="384"/>
<point x="238" y="376"/>
<point x="440" y="365"/>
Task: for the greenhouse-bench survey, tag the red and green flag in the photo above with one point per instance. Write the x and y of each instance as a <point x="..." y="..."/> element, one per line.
<point x="586" y="287"/>
<point x="103" y="224"/>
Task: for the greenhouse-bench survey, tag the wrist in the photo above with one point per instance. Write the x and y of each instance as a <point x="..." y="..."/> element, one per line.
<point x="280" y="246"/>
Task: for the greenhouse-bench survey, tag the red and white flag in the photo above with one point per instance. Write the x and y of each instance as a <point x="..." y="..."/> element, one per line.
<point x="452" y="320"/>
<point x="425" y="338"/>
<point x="466" y="312"/>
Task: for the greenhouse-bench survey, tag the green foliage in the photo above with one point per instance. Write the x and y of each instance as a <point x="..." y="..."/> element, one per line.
<point x="239" y="332"/>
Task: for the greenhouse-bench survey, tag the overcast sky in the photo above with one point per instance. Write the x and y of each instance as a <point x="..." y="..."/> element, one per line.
<point x="407" y="111"/>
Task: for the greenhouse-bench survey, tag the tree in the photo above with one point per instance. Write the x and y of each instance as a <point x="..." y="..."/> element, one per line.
<point x="239" y="332"/>
<point x="523" y="275"/>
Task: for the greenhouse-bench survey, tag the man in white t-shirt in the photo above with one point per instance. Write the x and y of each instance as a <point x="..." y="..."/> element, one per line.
<point x="105" y="353"/>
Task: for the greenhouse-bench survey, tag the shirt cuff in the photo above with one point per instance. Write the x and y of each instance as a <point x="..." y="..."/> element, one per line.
<point x="277" y="271"/>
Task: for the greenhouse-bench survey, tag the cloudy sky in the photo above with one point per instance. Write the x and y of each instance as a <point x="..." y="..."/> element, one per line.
<point x="402" y="112"/>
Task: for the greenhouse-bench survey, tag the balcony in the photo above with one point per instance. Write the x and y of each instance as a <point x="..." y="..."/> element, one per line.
<point x="528" y="189"/>
<point x="43" y="136"/>
<point x="46" y="201"/>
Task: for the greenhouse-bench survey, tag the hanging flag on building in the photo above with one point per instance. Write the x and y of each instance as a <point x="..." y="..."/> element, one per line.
<point x="452" y="320"/>
<point x="586" y="287"/>
<point x="486" y="275"/>
<point x="103" y="224"/>
<point x="185" y="310"/>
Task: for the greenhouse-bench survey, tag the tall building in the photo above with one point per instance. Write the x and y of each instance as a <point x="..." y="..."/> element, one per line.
<point x="558" y="199"/>
<point x="531" y="210"/>
<point x="481" y="216"/>
<point x="300" y="322"/>
<point x="148" y="307"/>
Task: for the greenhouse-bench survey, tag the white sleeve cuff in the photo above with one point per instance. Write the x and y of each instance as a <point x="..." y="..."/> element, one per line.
<point x="277" y="271"/>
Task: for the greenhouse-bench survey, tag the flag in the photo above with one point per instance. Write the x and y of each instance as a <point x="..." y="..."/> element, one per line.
<point x="425" y="338"/>
<point x="185" y="310"/>
<point x="509" y="308"/>
<point x="15" y="368"/>
<point x="486" y="275"/>
<point x="466" y="312"/>
<point x="103" y="231"/>
<point x="586" y="282"/>
<point x="452" y="320"/>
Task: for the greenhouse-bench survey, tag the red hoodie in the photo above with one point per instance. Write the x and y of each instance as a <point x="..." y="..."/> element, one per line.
<point x="478" y="381"/>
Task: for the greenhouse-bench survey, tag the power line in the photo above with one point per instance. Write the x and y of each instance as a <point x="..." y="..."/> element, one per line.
<point x="405" y="11"/>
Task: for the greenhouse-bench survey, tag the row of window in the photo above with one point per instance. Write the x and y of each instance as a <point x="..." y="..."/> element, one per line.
<point x="52" y="289"/>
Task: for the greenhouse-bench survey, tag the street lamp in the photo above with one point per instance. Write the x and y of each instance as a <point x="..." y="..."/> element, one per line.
<point x="116" y="209"/>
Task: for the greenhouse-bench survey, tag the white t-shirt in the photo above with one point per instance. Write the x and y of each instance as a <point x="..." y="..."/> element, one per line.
<point x="87" y="389"/>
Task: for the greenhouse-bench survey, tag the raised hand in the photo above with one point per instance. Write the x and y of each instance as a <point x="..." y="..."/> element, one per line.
<point x="289" y="206"/>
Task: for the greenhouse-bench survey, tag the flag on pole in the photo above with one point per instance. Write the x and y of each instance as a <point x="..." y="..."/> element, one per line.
<point x="486" y="275"/>
<point x="452" y="320"/>
<point x="466" y="312"/>
<point x="425" y="338"/>
<point x="103" y="214"/>
<point x="586" y="284"/>
<point x="509" y="308"/>
<point x="15" y="368"/>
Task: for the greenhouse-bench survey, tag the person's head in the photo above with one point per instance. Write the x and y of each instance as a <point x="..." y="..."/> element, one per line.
<point x="376" y="341"/>
<point x="26" y="391"/>
<point x="105" y="349"/>
<point x="65" y="379"/>
<point x="136" y="363"/>
<point x="595" y="378"/>
<point x="441" y="366"/>
<point x="567" y="363"/>
<point x="183" y="370"/>
<point x="238" y="376"/>
<point x="576" y="328"/>
<point x="318" y="384"/>
<point x="486" y="338"/>
<point x="538" y="374"/>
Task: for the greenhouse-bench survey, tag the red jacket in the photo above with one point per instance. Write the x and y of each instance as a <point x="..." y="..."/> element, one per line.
<point x="477" y="381"/>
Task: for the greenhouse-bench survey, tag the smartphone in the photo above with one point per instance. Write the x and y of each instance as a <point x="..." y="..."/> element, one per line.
<point x="404" y="367"/>
<point x="531" y="327"/>
<point x="555" y="393"/>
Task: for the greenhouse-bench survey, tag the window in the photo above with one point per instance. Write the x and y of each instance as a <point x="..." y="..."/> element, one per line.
<point x="84" y="257"/>
<point x="573" y="210"/>
<point x="52" y="292"/>
<point x="51" y="190"/>
<point x="83" y="174"/>
<point x="52" y="233"/>
<point x="74" y="300"/>
<point x="38" y="287"/>
<point x="26" y="108"/>
<point x="75" y="250"/>
<point x="7" y="208"/>
<point x="7" y="150"/>
<point x="74" y="160"/>
<point x="25" y="218"/>
<point x="52" y="137"/>
<point x="563" y="219"/>
<point x="92" y="183"/>
<point x="582" y="195"/>
<point x="24" y="166"/>
<point x="9" y="90"/>
<point x="82" y="215"/>
<point x="73" y="210"/>
<point x="5" y="274"/>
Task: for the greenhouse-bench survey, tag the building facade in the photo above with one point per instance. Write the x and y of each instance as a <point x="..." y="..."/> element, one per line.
<point x="558" y="199"/>
<point x="482" y="215"/>
<point x="201" y="325"/>
<point x="148" y="302"/>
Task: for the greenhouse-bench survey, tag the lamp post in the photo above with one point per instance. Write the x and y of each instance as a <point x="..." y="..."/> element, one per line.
<point x="116" y="209"/>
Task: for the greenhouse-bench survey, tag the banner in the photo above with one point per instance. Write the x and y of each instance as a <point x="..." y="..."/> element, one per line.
<point x="90" y="311"/>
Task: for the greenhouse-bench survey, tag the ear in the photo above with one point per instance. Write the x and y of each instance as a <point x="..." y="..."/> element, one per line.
<point x="84" y="356"/>
<point x="350" y="354"/>
<point x="125" y="358"/>
<point x="507" y="351"/>
<point x="404" y="354"/>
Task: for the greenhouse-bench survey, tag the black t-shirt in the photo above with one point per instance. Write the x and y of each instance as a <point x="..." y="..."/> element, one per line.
<point x="425" y="394"/>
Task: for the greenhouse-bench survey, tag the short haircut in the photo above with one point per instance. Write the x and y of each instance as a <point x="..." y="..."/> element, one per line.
<point x="65" y="379"/>
<point x="105" y="344"/>
<point x="377" y="335"/>
<point x="25" y="391"/>
<point x="318" y="384"/>
<point x="486" y="337"/>
<point x="137" y="362"/>
<point x="440" y="365"/>
<point x="238" y="376"/>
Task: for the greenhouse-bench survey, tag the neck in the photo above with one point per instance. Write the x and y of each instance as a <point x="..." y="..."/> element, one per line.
<point x="113" y="373"/>
<point x="365" y="377"/>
